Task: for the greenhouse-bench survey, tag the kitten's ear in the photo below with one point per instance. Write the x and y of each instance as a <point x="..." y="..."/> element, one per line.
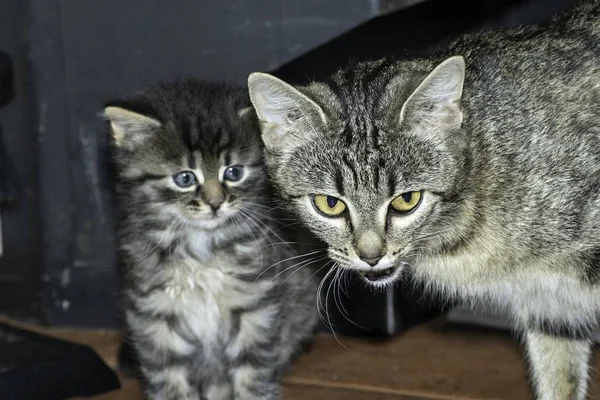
<point x="246" y="112"/>
<point x="287" y="117"/>
<point x="439" y="94"/>
<point x="129" y="127"/>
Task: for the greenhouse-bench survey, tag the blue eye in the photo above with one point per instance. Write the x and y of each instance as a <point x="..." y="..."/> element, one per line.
<point x="233" y="173"/>
<point x="184" y="179"/>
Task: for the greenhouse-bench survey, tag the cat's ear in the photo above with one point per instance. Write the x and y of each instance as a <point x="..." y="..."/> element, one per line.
<point x="246" y="112"/>
<point x="129" y="128"/>
<point x="439" y="94"/>
<point x="287" y="117"/>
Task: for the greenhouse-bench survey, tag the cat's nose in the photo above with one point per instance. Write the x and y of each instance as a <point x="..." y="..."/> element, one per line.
<point x="372" y="261"/>
<point x="213" y="194"/>
<point x="215" y="203"/>
<point x="370" y="247"/>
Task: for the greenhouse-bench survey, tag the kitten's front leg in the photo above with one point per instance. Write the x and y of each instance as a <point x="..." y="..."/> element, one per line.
<point x="216" y="381"/>
<point x="166" y="358"/>
<point x="559" y="366"/>
<point x="254" y="356"/>
<point x="256" y="381"/>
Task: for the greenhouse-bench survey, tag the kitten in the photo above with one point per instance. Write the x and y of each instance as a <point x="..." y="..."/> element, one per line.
<point x="479" y="169"/>
<point x="213" y="308"/>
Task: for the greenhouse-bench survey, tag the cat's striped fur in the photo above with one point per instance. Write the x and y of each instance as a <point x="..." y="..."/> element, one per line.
<point x="500" y="135"/>
<point x="213" y="309"/>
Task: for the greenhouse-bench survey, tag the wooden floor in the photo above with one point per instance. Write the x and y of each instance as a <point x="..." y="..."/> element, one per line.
<point x="432" y="362"/>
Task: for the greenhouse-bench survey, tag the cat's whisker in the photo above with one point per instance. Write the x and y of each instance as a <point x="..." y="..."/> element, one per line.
<point x="260" y="229"/>
<point x="292" y="224"/>
<point x="303" y="266"/>
<point x="338" y="299"/>
<point x="279" y="243"/>
<point x="286" y="259"/>
<point x="317" y="271"/>
<point x="251" y="232"/>
<point x="320" y="307"/>
<point x="431" y="235"/>
<point x="249" y="215"/>
<point x="331" y="326"/>
<point x="297" y="265"/>
<point x="344" y="284"/>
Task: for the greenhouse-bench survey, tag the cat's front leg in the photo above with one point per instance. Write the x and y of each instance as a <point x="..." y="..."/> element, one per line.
<point x="256" y="380"/>
<point x="166" y="359"/>
<point x="255" y="355"/>
<point x="216" y="381"/>
<point x="559" y="366"/>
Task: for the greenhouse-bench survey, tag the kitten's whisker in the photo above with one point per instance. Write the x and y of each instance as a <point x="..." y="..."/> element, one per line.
<point x="254" y="238"/>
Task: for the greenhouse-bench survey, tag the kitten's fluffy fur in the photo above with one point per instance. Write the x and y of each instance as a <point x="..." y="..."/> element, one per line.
<point x="502" y="136"/>
<point x="206" y="315"/>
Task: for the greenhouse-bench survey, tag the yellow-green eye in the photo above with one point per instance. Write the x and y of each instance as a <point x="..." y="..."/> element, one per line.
<point x="328" y="205"/>
<point x="406" y="202"/>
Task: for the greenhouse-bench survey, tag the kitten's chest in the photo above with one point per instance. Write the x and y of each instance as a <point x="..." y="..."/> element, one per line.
<point x="203" y="295"/>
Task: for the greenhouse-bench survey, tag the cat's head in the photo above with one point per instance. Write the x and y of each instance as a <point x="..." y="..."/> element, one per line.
<point x="188" y="153"/>
<point x="372" y="161"/>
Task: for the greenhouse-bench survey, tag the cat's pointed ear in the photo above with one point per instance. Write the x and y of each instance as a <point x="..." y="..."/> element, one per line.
<point x="128" y="127"/>
<point x="439" y="94"/>
<point x="287" y="117"/>
<point x="246" y="112"/>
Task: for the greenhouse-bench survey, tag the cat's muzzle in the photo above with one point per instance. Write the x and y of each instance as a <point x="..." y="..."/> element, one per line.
<point x="378" y="275"/>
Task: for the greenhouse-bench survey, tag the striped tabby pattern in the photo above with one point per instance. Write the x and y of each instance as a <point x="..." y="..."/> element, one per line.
<point x="477" y="170"/>
<point x="214" y="307"/>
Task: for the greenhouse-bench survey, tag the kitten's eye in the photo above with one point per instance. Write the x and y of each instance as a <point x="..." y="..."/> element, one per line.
<point x="184" y="179"/>
<point x="233" y="173"/>
<point x="406" y="202"/>
<point x="328" y="205"/>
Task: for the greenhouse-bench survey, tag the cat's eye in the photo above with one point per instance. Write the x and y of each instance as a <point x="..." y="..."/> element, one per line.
<point x="234" y="173"/>
<point x="184" y="179"/>
<point x="406" y="202"/>
<point x="328" y="205"/>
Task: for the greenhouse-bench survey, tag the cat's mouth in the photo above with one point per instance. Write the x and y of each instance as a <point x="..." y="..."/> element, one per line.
<point x="382" y="276"/>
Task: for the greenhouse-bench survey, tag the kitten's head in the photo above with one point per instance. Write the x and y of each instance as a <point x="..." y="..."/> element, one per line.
<point x="188" y="152"/>
<point x="372" y="161"/>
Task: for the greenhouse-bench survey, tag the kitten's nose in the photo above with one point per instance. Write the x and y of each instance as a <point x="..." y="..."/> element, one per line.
<point x="215" y="203"/>
<point x="372" y="261"/>
<point x="213" y="194"/>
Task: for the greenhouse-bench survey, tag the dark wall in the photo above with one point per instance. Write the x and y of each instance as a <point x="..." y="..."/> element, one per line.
<point x="20" y="266"/>
<point x="72" y="55"/>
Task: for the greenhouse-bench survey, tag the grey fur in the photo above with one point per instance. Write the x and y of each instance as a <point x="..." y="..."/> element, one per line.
<point x="216" y="307"/>
<point x="502" y="134"/>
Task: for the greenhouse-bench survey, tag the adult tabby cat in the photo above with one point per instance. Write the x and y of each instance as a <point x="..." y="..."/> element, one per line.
<point x="478" y="169"/>
<point x="213" y="308"/>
